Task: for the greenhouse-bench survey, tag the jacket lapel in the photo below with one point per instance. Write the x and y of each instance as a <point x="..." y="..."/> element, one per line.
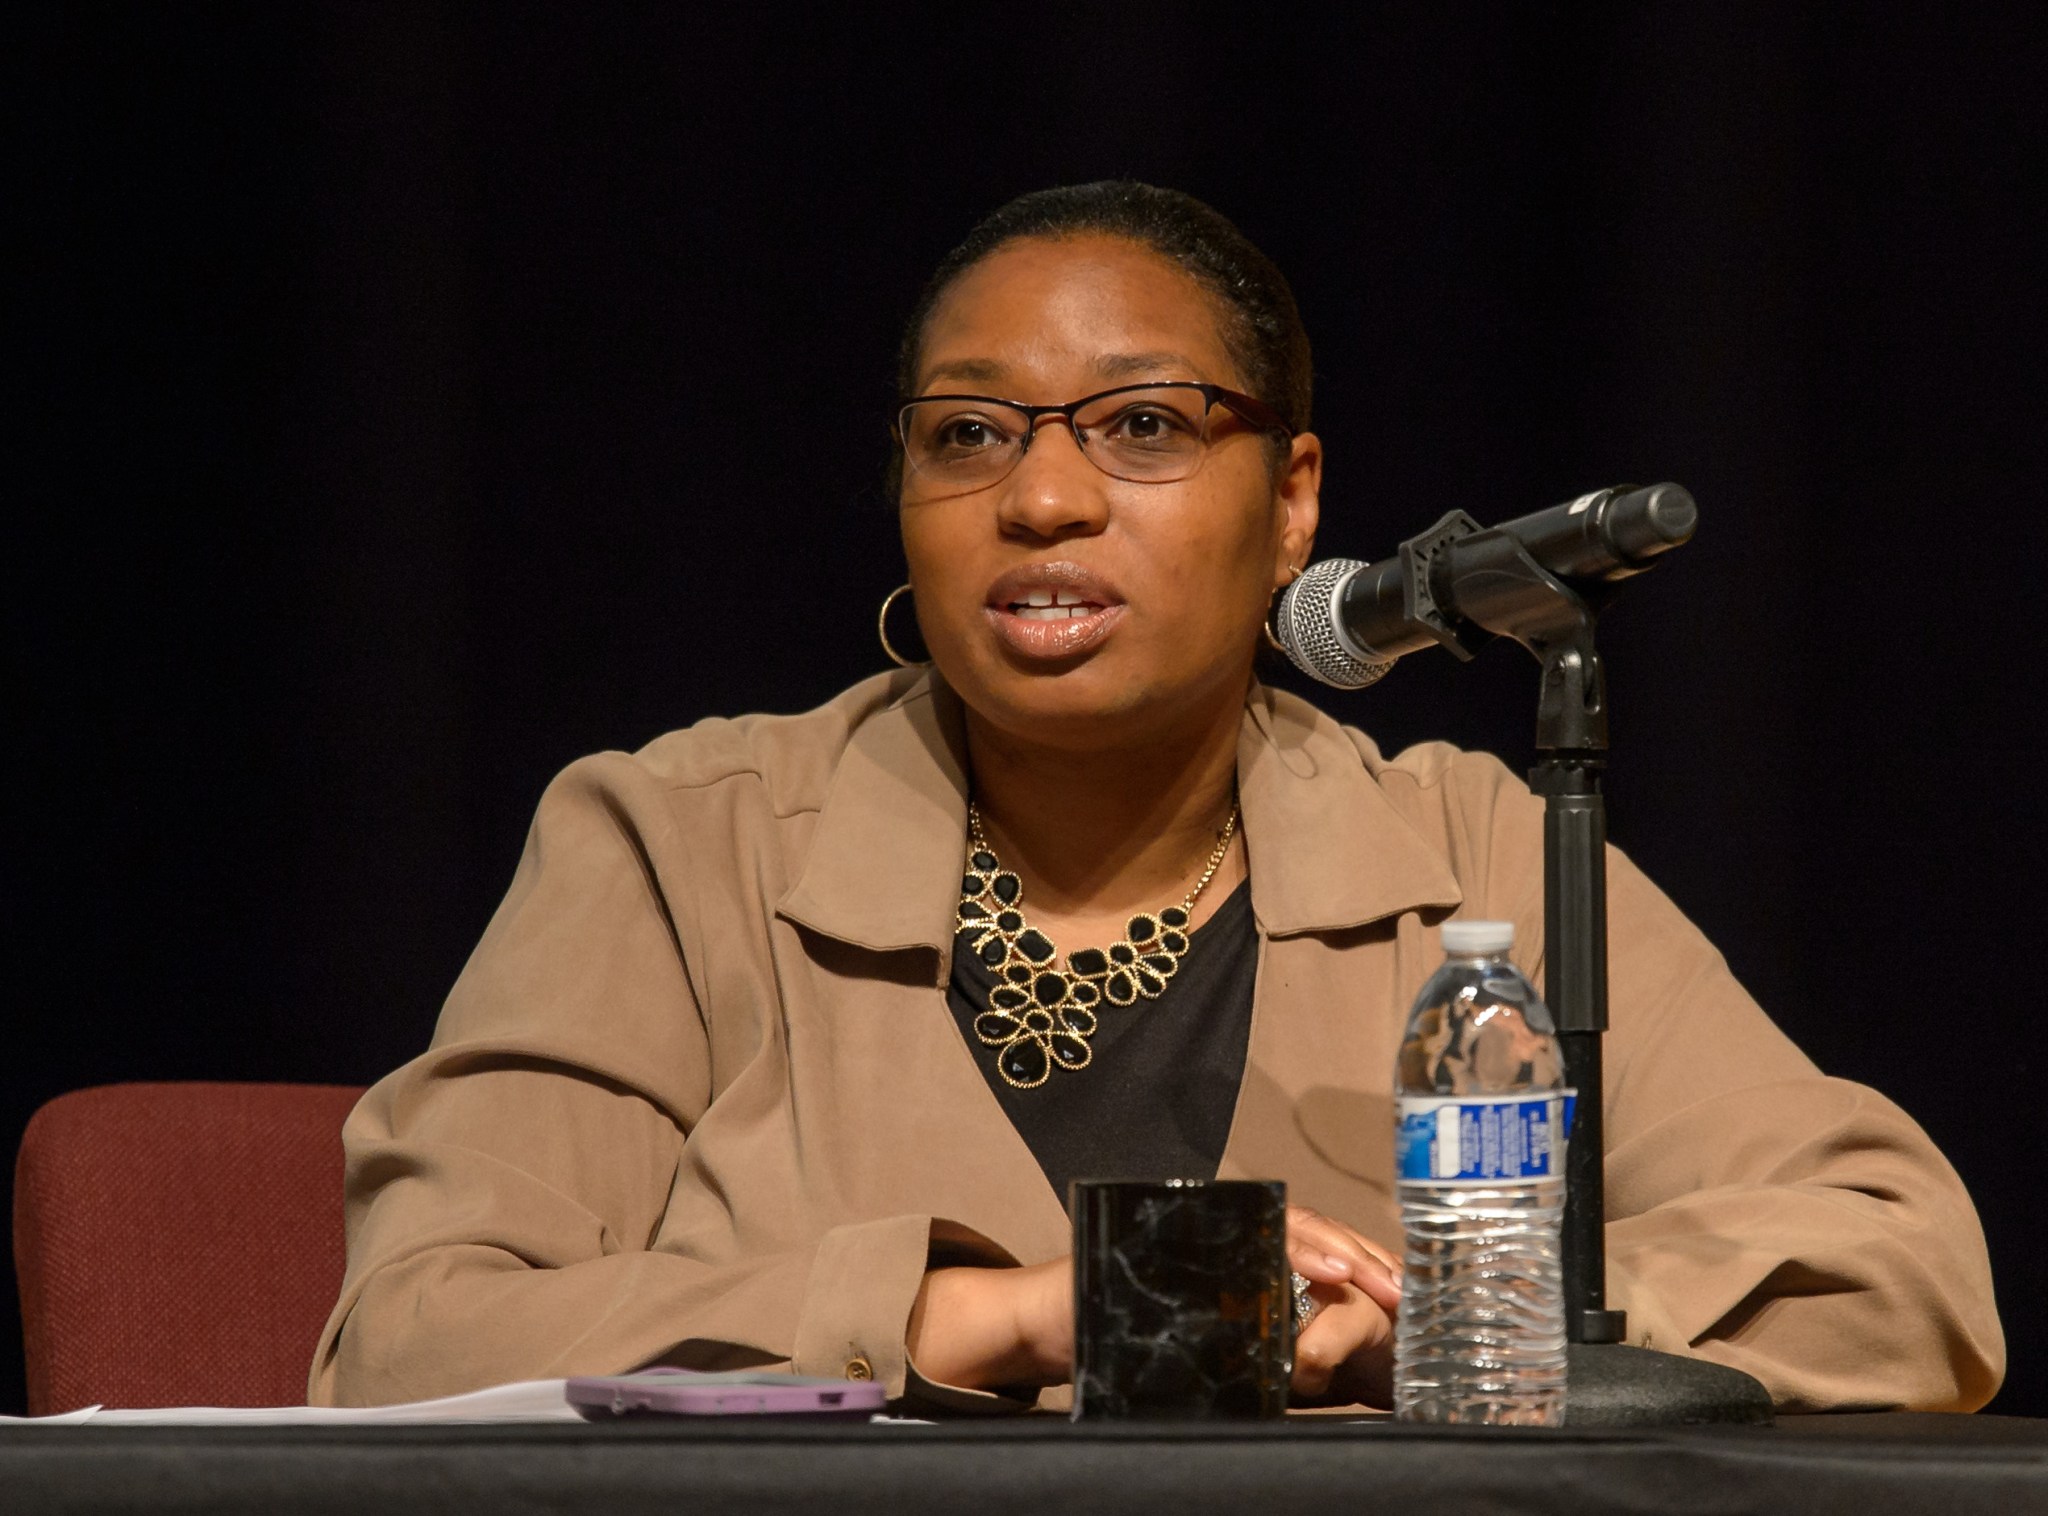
<point x="883" y="874"/>
<point x="883" y="871"/>
<point x="1328" y="850"/>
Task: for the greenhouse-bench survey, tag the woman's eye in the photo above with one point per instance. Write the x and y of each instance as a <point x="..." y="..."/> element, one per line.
<point x="967" y="434"/>
<point x="1155" y="424"/>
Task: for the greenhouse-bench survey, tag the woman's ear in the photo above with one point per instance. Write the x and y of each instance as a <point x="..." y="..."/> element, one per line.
<point x="1297" y="502"/>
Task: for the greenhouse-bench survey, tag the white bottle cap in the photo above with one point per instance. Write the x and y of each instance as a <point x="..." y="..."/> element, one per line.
<point x="1467" y="939"/>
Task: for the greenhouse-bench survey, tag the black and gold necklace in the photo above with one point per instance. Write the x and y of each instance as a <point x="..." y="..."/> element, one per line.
<point x="1039" y="1016"/>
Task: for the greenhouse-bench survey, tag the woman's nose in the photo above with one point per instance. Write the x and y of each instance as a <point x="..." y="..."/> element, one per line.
<point x="1054" y="492"/>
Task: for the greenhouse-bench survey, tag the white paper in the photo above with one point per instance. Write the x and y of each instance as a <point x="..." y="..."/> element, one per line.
<point x="534" y="1400"/>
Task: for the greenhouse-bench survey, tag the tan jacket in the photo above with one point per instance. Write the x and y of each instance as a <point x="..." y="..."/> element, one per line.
<point x="697" y="1097"/>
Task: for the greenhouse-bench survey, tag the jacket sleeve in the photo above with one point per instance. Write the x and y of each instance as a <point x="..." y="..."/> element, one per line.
<point x="1800" y="1228"/>
<point x="505" y="1190"/>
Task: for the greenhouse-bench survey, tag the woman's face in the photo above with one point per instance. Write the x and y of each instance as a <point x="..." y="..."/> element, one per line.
<point x="1175" y="578"/>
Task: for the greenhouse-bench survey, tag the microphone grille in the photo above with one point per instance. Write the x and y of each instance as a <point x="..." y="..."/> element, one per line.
<point x="1305" y="625"/>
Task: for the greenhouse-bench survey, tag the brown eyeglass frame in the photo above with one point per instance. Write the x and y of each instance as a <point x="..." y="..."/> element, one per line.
<point x="1257" y="412"/>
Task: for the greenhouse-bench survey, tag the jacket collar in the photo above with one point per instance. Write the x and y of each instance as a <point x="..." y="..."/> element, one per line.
<point x="1328" y="850"/>
<point x="886" y="857"/>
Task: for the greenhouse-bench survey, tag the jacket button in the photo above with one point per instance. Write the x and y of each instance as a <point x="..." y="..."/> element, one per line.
<point x="859" y="1368"/>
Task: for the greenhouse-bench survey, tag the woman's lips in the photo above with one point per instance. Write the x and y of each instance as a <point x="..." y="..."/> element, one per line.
<point x="1050" y="611"/>
<point x="1050" y="638"/>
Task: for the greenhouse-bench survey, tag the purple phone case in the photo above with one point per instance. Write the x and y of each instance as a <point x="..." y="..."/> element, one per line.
<point x="682" y="1392"/>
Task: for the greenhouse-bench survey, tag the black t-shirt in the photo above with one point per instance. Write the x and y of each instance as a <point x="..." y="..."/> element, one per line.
<point x="1156" y="1099"/>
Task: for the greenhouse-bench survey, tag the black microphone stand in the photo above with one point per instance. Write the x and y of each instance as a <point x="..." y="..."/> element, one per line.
<point x="1494" y="583"/>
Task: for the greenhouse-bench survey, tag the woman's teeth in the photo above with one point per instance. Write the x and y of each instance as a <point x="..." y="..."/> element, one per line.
<point x="1052" y="605"/>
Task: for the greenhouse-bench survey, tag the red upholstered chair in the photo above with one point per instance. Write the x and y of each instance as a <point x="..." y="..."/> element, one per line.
<point x="178" y="1244"/>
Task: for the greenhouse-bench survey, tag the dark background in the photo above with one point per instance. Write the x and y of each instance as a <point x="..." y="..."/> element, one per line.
<point x="415" y="398"/>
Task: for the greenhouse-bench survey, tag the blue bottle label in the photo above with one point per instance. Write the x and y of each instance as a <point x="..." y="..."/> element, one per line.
<point x="1480" y="1139"/>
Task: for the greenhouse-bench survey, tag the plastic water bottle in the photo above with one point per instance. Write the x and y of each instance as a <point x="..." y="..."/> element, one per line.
<point x="1481" y="1117"/>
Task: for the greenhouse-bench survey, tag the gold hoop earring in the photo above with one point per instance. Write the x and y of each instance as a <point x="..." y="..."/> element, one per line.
<point x="882" y="631"/>
<point x="1272" y="607"/>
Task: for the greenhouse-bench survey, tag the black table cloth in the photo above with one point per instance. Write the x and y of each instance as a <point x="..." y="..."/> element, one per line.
<point x="1872" y="1465"/>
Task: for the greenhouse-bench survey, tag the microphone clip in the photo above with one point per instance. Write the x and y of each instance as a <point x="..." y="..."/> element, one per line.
<point x="1425" y="588"/>
<point x="1497" y="584"/>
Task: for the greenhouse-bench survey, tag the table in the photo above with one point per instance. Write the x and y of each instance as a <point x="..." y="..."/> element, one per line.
<point x="1858" y="1465"/>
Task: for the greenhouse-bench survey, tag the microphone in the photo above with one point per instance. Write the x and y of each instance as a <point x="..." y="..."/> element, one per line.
<point x="1345" y="622"/>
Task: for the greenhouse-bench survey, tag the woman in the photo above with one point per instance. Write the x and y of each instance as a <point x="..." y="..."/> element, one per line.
<point x="745" y="1073"/>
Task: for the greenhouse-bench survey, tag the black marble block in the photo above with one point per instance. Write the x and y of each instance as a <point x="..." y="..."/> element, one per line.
<point x="1181" y="1301"/>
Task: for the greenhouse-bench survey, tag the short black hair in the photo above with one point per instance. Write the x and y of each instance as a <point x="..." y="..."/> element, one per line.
<point x="1261" y="326"/>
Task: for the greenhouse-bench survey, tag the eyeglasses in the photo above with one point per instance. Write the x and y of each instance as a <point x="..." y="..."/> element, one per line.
<point x="1145" y="433"/>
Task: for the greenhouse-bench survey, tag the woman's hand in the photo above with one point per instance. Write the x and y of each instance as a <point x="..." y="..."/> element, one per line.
<point x="985" y="1329"/>
<point x="980" y="1328"/>
<point x="1346" y="1355"/>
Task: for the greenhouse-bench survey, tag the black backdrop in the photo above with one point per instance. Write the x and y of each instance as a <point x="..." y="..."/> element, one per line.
<point x="415" y="398"/>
